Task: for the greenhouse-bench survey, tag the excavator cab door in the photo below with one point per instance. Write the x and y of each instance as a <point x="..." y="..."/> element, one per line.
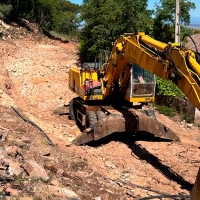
<point x="141" y="86"/>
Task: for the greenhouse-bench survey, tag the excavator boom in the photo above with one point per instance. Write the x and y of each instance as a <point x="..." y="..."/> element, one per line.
<point x="168" y="61"/>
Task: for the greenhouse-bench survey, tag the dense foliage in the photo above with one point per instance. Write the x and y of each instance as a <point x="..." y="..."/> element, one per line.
<point x="5" y="11"/>
<point x="58" y="15"/>
<point x="164" y="20"/>
<point x="167" y="88"/>
<point x="106" y="20"/>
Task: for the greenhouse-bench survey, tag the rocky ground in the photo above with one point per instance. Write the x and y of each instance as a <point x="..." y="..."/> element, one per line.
<point x="34" y="82"/>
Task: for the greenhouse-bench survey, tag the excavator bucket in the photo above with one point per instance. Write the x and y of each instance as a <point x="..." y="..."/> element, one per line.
<point x="125" y="121"/>
<point x="195" y="194"/>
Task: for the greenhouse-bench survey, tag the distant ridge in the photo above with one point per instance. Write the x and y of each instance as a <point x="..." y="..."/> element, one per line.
<point x="197" y="27"/>
<point x="195" y="23"/>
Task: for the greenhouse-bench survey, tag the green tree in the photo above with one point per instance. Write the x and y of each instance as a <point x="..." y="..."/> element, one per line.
<point x="106" y="20"/>
<point x="164" y="21"/>
<point x="5" y="11"/>
<point x="26" y="9"/>
<point x="16" y="6"/>
<point x="45" y="11"/>
<point x="58" y="15"/>
<point x="67" y="21"/>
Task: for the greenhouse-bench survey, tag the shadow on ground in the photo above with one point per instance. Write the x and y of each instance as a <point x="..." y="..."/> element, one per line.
<point x="137" y="150"/>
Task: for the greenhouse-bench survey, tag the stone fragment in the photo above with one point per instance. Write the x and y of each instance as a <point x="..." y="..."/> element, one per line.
<point x="50" y="166"/>
<point x="109" y="165"/>
<point x="64" y="193"/>
<point x="97" y="198"/>
<point x="11" y="191"/>
<point x="13" y="151"/>
<point x="6" y="100"/>
<point x="54" y="181"/>
<point x="4" y="135"/>
<point x="26" y="139"/>
<point x="13" y="167"/>
<point x="106" y="196"/>
<point x="3" y="153"/>
<point x="4" y="176"/>
<point x="68" y="144"/>
<point x="34" y="170"/>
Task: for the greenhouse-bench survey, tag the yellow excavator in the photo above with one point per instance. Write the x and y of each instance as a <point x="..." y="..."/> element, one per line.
<point x="108" y="89"/>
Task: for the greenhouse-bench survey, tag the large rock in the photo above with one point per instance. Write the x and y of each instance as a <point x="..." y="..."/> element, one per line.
<point x="3" y="153"/>
<point x="13" y="151"/>
<point x="34" y="170"/>
<point x="6" y="100"/>
<point x="64" y="193"/>
<point x="11" y="191"/>
<point x="13" y="167"/>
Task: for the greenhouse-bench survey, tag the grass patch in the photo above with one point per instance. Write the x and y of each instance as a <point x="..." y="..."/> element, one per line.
<point x="38" y="180"/>
<point x="188" y="118"/>
<point x="171" y="113"/>
<point x="168" y="111"/>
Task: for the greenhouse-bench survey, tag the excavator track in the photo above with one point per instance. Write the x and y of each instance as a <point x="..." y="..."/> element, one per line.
<point x="124" y="120"/>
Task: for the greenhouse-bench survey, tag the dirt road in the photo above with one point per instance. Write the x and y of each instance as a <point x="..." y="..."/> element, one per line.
<point x="34" y="75"/>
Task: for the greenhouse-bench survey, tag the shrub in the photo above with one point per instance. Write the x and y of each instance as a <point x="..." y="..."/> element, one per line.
<point x="167" y="88"/>
<point x="166" y="110"/>
<point x="188" y="118"/>
<point x="5" y="11"/>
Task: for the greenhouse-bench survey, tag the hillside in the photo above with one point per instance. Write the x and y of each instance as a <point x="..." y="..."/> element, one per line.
<point x="33" y="80"/>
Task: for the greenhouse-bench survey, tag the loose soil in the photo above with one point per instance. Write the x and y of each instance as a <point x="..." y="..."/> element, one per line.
<point x="34" y="80"/>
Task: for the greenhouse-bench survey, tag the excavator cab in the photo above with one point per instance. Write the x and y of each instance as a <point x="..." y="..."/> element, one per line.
<point x="141" y="87"/>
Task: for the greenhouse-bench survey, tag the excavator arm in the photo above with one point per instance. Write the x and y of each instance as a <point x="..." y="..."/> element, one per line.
<point x="169" y="61"/>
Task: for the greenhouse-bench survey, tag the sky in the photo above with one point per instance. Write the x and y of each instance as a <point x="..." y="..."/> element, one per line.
<point x="195" y="13"/>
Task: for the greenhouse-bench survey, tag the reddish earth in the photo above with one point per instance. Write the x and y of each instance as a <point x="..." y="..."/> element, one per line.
<point x="34" y="79"/>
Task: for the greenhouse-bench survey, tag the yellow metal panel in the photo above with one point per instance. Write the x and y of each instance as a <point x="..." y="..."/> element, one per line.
<point x="194" y="65"/>
<point x="155" y="43"/>
<point x="140" y="99"/>
<point x="77" y="77"/>
<point x="88" y="75"/>
<point x="93" y="97"/>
